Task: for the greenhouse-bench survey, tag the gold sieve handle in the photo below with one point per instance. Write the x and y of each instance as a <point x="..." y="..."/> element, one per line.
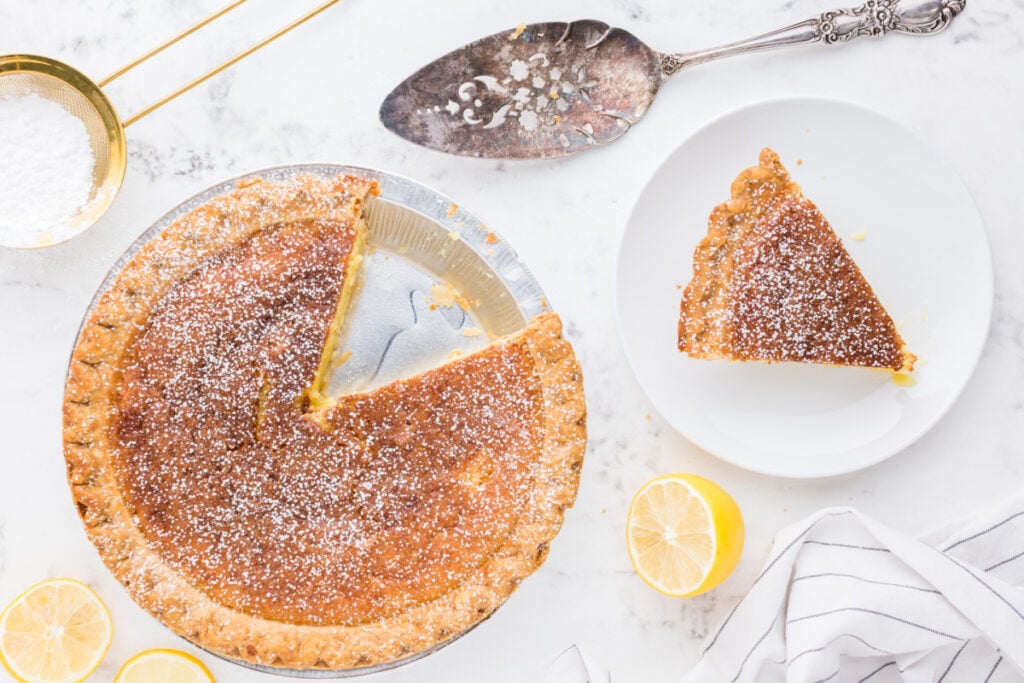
<point x="212" y="72"/>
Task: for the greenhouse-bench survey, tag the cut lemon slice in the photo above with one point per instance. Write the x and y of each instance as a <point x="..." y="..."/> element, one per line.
<point x="684" y="534"/>
<point x="163" y="666"/>
<point x="57" y="631"/>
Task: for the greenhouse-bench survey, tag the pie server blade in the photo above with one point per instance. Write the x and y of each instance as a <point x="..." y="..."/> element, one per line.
<point x="542" y="91"/>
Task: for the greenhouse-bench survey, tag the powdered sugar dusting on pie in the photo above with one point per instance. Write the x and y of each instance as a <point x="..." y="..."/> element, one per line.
<point x="773" y="282"/>
<point x="268" y="523"/>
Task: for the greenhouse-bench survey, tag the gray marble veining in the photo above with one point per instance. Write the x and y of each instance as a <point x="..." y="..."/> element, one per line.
<point x="314" y="96"/>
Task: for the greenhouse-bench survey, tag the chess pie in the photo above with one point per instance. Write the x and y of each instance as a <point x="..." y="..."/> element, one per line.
<point x="773" y="282"/>
<point x="267" y="522"/>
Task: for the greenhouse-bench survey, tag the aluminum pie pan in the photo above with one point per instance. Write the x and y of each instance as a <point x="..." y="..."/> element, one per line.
<point x="418" y="238"/>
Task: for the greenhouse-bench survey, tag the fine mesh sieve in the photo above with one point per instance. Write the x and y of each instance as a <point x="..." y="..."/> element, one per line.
<point x="23" y="75"/>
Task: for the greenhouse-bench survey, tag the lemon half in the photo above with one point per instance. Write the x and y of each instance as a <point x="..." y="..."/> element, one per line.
<point x="684" y="534"/>
<point x="163" y="666"/>
<point x="57" y="631"/>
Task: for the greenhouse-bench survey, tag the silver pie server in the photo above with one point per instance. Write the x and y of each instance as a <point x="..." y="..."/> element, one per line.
<point x="551" y="89"/>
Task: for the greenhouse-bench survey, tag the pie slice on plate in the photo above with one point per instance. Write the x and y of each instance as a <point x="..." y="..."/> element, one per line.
<point x="773" y="282"/>
<point x="268" y="522"/>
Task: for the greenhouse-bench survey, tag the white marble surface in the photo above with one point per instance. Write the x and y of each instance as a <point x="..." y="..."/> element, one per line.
<point x="314" y="96"/>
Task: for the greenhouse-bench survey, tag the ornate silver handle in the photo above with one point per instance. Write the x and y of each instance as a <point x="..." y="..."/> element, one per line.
<point x="873" y="18"/>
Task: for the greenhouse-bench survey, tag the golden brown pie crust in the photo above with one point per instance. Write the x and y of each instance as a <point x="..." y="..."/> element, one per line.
<point x="124" y="445"/>
<point x="773" y="282"/>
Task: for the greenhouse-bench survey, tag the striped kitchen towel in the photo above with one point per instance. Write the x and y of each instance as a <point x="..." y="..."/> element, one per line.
<point x="573" y="666"/>
<point x="845" y="599"/>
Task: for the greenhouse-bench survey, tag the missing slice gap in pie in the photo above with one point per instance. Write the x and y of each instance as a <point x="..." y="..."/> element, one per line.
<point x="773" y="282"/>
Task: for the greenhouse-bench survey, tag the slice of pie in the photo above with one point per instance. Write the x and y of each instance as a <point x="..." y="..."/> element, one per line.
<point x="773" y="282"/>
<point x="266" y="522"/>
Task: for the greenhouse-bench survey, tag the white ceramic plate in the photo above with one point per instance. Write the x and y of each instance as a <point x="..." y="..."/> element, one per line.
<point x="925" y="254"/>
